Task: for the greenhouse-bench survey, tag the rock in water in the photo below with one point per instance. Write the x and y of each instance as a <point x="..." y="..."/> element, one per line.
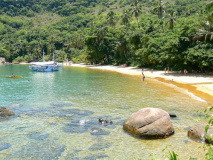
<point x="198" y="133"/>
<point x="6" y="112"/>
<point x="149" y="123"/>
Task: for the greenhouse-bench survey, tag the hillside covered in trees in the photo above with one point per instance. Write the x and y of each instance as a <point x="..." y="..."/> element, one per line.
<point x="153" y="33"/>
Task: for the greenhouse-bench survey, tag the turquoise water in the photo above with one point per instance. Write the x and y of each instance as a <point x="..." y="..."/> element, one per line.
<point x="57" y="115"/>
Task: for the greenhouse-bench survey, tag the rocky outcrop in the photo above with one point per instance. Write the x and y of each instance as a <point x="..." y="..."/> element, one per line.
<point x="4" y="112"/>
<point x="149" y="123"/>
<point x="198" y="133"/>
<point x="2" y="60"/>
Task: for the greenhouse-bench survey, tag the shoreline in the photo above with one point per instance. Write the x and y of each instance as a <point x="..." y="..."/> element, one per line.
<point x="201" y="85"/>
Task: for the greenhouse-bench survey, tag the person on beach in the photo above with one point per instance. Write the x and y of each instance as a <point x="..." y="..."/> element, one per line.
<point x="165" y="70"/>
<point x="143" y="76"/>
<point x="185" y="72"/>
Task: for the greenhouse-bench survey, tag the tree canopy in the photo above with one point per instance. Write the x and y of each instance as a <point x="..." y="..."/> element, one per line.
<point x="151" y="33"/>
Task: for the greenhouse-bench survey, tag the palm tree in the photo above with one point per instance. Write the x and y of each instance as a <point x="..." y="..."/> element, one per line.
<point x="111" y="19"/>
<point x="126" y="17"/>
<point x="136" y="10"/>
<point x="206" y="27"/>
<point x="171" y="19"/>
<point x="209" y="6"/>
<point x="159" y="8"/>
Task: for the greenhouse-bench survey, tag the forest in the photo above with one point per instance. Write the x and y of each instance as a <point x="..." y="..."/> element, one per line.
<point x="145" y="33"/>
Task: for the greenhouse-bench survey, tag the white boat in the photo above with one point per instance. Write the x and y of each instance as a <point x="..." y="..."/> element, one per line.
<point x="48" y="66"/>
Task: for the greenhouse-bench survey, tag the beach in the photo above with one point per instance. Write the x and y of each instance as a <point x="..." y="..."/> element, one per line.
<point x="201" y="85"/>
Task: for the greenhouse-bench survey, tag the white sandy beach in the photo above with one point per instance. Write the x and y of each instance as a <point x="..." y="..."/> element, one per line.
<point x="199" y="84"/>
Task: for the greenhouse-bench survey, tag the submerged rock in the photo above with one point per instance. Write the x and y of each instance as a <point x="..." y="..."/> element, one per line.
<point x="45" y="149"/>
<point x="38" y="135"/>
<point x="4" y="112"/>
<point x="99" y="146"/>
<point x="15" y="105"/>
<point x="4" y="146"/>
<point x="98" y="131"/>
<point x="198" y="133"/>
<point x="149" y="123"/>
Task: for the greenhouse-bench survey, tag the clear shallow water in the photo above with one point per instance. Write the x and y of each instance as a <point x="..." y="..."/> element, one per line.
<point x="57" y="115"/>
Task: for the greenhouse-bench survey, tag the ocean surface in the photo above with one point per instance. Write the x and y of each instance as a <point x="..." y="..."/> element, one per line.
<point x="56" y="115"/>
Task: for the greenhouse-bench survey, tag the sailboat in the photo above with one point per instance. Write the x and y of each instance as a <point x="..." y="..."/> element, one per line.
<point x="45" y="66"/>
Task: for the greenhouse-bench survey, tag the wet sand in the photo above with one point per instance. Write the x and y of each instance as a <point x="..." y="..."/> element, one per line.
<point x="201" y="85"/>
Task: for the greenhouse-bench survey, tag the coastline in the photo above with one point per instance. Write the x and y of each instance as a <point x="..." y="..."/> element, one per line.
<point x="201" y="85"/>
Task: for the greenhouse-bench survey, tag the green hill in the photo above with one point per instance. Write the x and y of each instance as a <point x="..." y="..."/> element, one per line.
<point x="153" y="33"/>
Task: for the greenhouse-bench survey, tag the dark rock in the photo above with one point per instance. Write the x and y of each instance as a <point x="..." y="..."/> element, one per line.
<point x="198" y="133"/>
<point x="172" y="115"/>
<point x="149" y="123"/>
<point x="105" y="121"/>
<point x="4" y="112"/>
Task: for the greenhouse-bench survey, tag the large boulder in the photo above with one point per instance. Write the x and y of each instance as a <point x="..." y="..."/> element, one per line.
<point x="149" y="123"/>
<point x="6" y="112"/>
<point x="198" y="133"/>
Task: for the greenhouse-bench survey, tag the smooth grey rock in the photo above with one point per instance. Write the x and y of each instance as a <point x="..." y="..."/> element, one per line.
<point x="149" y="123"/>
<point x="198" y="133"/>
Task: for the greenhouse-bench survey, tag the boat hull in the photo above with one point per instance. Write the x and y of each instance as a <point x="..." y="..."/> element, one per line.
<point x="13" y="77"/>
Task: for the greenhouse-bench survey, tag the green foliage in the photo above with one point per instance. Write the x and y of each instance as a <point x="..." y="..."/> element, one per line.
<point x="78" y="30"/>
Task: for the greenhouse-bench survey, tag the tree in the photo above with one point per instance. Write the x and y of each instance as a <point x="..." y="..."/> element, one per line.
<point x="136" y="10"/>
<point x="126" y="17"/>
<point x="159" y="8"/>
<point x="171" y="19"/>
<point x="111" y="18"/>
<point x="206" y="27"/>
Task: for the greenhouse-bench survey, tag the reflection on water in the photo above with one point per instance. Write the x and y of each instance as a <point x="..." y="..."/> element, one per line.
<point x="57" y="115"/>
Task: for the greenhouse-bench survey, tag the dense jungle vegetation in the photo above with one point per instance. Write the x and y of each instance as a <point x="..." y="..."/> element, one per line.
<point x="153" y="33"/>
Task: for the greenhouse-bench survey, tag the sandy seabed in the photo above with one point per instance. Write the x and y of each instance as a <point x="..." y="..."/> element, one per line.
<point x="201" y="85"/>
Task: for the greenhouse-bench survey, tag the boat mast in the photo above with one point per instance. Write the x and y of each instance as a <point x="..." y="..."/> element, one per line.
<point x="43" y="56"/>
<point x="53" y="56"/>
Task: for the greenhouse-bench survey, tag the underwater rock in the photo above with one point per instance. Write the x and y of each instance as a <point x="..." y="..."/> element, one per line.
<point x="4" y="146"/>
<point x="95" y="156"/>
<point x="4" y="112"/>
<point x="45" y="149"/>
<point x="60" y="104"/>
<point x="149" y="123"/>
<point x="15" y="105"/>
<point x="124" y="107"/>
<point x="98" y="131"/>
<point x="85" y="94"/>
<point x="38" y="135"/>
<point x="99" y="146"/>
